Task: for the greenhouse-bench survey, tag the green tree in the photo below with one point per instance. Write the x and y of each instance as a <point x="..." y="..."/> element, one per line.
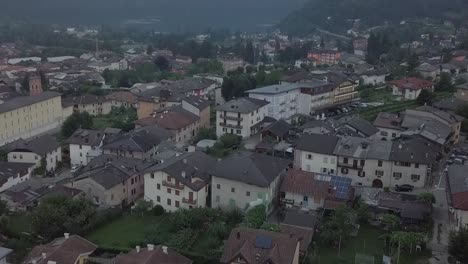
<point x="149" y="49"/>
<point x="391" y="222"/>
<point x="249" y="53"/>
<point x="255" y="217"/>
<point x="425" y="97"/>
<point x="162" y="63"/>
<point x="142" y="207"/>
<point x="57" y="215"/>
<point x="206" y="133"/>
<point x="3" y="208"/>
<point x="427" y="197"/>
<point x="458" y="244"/>
<point x="445" y="83"/>
<point x="340" y="225"/>
<point x="406" y="240"/>
<point x="42" y="169"/>
<point x="75" y="121"/>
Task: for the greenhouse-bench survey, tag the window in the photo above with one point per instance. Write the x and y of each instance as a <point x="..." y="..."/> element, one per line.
<point x="238" y="131"/>
<point x="310" y="157"/>
<point x="361" y="173"/>
<point x="415" y="177"/>
<point x="177" y="192"/>
<point x="416" y="165"/>
<point x="177" y="204"/>
<point x="380" y="163"/>
<point x="233" y="190"/>
<point x="393" y="134"/>
<point x="168" y="190"/>
<point x="344" y="170"/>
<point x="306" y="198"/>
<point x="363" y="162"/>
<point x="218" y="186"/>
<point x="325" y="159"/>
<point x="224" y="129"/>
<point x="324" y="170"/>
<point x="169" y="178"/>
<point x="379" y="173"/>
<point x="168" y="201"/>
<point x="247" y="193"/>
<point x="403" y="163"/>
<point x="345" y="160"/>
<point x="332" y="160"/>
<point x="132" y="181"/>
<point x="81" y="147"/>
<point x="397" y="175"/>
<point x="332" y="171"/>
<point x="21" y="156"/>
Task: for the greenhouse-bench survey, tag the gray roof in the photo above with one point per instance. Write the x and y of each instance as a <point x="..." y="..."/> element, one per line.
<point x="86" y="137"/>
<point x="140" y="140"/>
<point x="450" y="118"/>
<point x="242" y="105"/>
<point x="380" y="150"/>
<point x="427" y="127"/>
<point x="275" y="89"/>
<point x="279" y="128"/>
<point x="318" y="123"/>
<point x="414" y="150"/>
<point x="426" y="67"/>
<point x="132" y="165"/>
<point x="352" y="147"/>
<point x="388" y="120"/>
<point x="40" y="145"/>
<point x="451" y="104"/>
<point x="251" y="168"/>
<point x="4" y="252"/>
<point x="187" y="167"/>
<point x="322" y="144"/>
<point x="197" y="102"/>
<point x="299" y="218"/>
<point x="362" y="126"/>
<point x="12" y="170"/>
<point x="22" y="101"/>
<point x="458" y="178"/>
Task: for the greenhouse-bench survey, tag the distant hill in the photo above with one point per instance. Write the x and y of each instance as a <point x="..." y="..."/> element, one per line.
<point x="173" y="15"/>
<point x="335" y="14"/>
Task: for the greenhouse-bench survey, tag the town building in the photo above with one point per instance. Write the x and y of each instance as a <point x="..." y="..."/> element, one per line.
<point x="69" y="248"/>
<point x="325" y="57"/>
<point x="410" y="88"/>
<point x="199" y="107"/>
<point x="361" y="127"/>
<point x="246" y="179"/>
<point x="242" y="117"/>
<point x="428" y="70"/>
<point x="92" y="104"/>
<point x="122" y="99"/>
<point x="85" y="145"/>
<point x="111" y="181"/>
<point x="246" y="245"/>
<point x="389" y="125"/>
<point x="44" y="148"/>
<point x="12" y="173"/>
<point x="180" y="182"/>
<point x="315" y="153"/>
<point x="152" y="254"/>
<point x="29" y="116"/>
<point x="458" y="194"/>
<point x="374" y="77"/>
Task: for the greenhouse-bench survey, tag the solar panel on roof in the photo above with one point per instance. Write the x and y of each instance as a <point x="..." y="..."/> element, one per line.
<point x="263" y="242"/>
<point x="341" y="186"/>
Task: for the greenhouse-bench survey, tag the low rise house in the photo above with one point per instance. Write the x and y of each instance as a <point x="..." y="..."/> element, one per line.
<point x="314" y="153"/>
<point x="45" y="148"/>
<point x="85" y="145"/>
<point x="458" y="194"/>
<point x="112" y="181"/>
<point x="152" y="254"/>
<point x="300" y="224"/>
<point x="277" y="131"/>
<point x="246" y="245"/>
<point x="14" y="173"/>
<point x="122" y="98"/>
<point x="92" y="104"/>
<point x="374" y="77"/>
<point x="245" y="179"/>
<point x="67" y="249"/>
<point x="361" y="127"/>
<point x="317" y="127"/>
<point x="389" y="125"/>
<point x="428" y="70"/>
<point x="311" y="191"/>
<point x="180" y="182"/>
<point x="199" y="107"/>
<point x="410" y="88"/>
<point x="242" y="117"/>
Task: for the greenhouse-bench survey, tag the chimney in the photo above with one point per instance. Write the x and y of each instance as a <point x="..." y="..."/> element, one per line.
<point x="150" y="247"/>
<point x="44" y="255"/>
<point x="138" y="249"/>
<point x="66" y="235"/>
<point x="164" y="248"/>
<point x="35" y="85"/>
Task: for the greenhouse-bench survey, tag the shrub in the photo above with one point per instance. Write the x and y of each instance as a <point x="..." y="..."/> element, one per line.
<point x="158" y="210"/>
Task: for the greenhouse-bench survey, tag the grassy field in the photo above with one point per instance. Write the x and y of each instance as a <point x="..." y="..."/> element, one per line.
<point x="101" y="122"/>
<point x="125" y="231"/>
<point x="368" y="242"/>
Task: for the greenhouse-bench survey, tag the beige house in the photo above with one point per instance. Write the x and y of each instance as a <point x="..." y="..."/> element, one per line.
<point x="35" y="150"/>
<point x="92" y="104"/>
<point x="180" y="182"/>
<point x="110" y="180"/>
<point x="28" y="116"/>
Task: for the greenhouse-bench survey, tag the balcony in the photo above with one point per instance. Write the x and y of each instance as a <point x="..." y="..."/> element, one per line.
<point x="172" y="185"/>
<point x="230" y="125"/>
<point x="350" y="166"/>
<point x="188" y="201"/>
<point x="235" y="118"/>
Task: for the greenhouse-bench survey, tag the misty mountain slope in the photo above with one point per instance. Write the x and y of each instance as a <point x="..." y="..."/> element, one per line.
<point x="173" y="14"/>
<point x="335" y="14"/>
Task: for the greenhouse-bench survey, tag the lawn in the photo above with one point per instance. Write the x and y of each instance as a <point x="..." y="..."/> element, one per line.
<point x="101" y="122"/>
<point x="19" y="223"/>
<point x="366" y="243"/>
<point x="126" y="231"/>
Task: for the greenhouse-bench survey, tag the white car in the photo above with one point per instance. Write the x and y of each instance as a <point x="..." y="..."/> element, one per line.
<point x="75" y="168"/>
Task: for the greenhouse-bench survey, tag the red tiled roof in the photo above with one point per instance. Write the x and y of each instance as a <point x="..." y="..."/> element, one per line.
<point x="303" y="182"/>
<point x="172" y="119"/>
<point x="460" y="200"/>
<point x="127" y="97"/>
<point x="412" y="83"/>
<point x="157" y="255"/>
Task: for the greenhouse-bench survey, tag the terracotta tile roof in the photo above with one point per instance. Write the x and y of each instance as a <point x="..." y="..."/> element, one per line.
<point x="303" y="182"/>
<point x="412" y="83"/>
<point x="61" y="251"/>
<point x="174" y="118"/>
<point x="123" y="96"/>
<point x="156" y="255"/>
<point x="259" y="246"/>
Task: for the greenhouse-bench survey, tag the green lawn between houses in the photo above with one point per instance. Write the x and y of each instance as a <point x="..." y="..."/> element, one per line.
<point x="367" y="242"/>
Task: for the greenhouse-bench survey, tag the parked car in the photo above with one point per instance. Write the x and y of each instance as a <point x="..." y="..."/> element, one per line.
<point x="75" y="168"/>
<point x="364" y="105"/>
<point x="404" y="188"/>
<point x="458" y="161"/>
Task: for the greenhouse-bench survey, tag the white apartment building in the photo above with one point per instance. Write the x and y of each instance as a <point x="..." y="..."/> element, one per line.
<point x="85" y="145"/>
<point x="246" y="179"/>
<point x="314" y="153"/>
<point x="283" y="99"/>
<point x="181" y="182"/>
<point x="242" y="117"/>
